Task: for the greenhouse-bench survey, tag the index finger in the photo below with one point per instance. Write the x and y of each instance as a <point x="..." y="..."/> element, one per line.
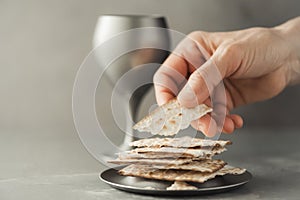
<point x="169" y="78"/>
<point x="173" y="74"/>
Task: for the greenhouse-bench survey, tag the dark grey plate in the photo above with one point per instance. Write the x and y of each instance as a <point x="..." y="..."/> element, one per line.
<point x="157" y="187"/>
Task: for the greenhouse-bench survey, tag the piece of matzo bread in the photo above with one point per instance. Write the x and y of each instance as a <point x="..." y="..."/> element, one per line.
<point x="181" y="185"/>
<point x="170" y="118"/>
<point x="181" y="152"/>
<point x="181" y="142"/>
<point x="146" y="171"/>
<point x="207" y="165"/>
<point x="200" y="166"/>
<point x="159" y="155"/>
<point x="177" y="161"/>
<point x="169" y="153"/>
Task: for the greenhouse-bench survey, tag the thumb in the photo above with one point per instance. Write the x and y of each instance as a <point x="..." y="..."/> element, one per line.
<point x="202" y="82"/>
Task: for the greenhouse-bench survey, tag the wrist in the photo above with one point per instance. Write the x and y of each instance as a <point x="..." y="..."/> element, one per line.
<point x="290" y="33"/>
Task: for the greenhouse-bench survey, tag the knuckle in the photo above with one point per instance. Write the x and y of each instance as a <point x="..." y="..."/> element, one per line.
<point x="264" y="34"/>
<point x="195" y="78"/>
<point x="232" y="50"/>
<point x="230" y="57"/>
<point x="190" y="43"/>
<point x="196" y="34"/>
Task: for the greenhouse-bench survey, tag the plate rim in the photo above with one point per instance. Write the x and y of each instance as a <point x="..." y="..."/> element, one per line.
<point x="142" y="190"/>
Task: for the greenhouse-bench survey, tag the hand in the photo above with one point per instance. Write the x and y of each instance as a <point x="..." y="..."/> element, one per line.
<point x="255" y="64"/>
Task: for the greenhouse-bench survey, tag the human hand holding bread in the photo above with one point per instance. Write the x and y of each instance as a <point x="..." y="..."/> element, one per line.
<point x="255" y="64"/>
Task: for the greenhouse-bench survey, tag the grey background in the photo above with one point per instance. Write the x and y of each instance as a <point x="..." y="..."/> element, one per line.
<point x="42" y="44"/>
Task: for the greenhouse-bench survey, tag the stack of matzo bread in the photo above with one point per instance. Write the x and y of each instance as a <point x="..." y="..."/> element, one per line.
<point x="174" y="159"/>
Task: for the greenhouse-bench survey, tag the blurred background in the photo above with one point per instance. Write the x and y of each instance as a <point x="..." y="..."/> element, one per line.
<point x="43" y="43"/>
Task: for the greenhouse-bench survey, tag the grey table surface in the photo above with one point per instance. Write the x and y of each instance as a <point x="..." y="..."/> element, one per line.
<point x="35" y="167"/>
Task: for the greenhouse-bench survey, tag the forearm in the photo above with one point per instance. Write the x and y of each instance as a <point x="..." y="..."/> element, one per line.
<point x="290" y="32"/>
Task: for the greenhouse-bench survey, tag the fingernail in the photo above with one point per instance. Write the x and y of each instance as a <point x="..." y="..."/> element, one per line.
<point x="200" y="127"/>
